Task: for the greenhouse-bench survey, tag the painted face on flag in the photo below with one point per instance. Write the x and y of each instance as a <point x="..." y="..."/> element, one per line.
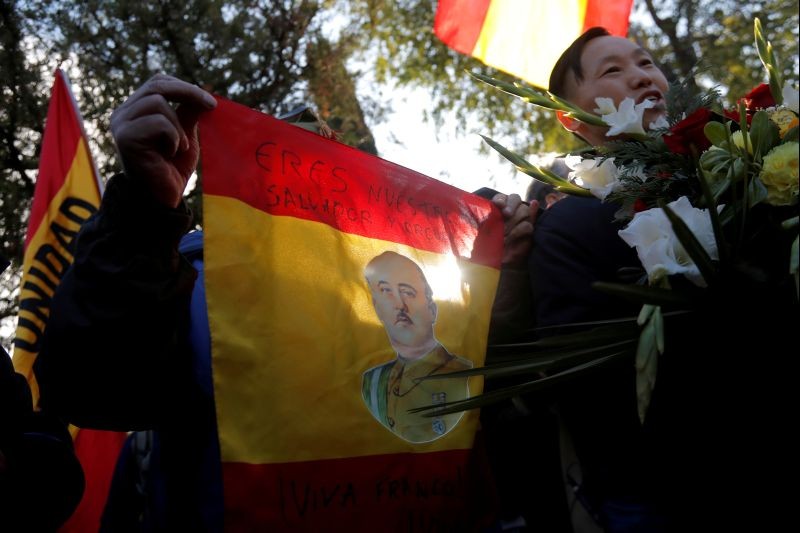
<point x="616" y="68"/>
<point x="403" y="301"/>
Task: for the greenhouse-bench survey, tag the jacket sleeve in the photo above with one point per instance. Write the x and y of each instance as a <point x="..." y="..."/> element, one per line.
<point x="512" y="312"/>
<point x="113" y="356"/>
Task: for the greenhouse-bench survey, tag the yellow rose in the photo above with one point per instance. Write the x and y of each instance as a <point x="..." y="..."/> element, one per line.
<point x="738" y="140"/>
<point x="779" y="174"/>
<point x="784" y="118"/>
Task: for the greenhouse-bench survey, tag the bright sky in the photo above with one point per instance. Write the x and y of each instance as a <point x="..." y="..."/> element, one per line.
<point x="406" y="140"/>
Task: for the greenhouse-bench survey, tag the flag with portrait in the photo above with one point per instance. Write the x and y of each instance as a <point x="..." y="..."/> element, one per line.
<point x="335" y="281"/>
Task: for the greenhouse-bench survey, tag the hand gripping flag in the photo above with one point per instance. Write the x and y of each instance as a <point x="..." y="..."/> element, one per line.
<point x="524" y="37"/>
<point x="67" y="193"/>
<point x="335" y="281"/>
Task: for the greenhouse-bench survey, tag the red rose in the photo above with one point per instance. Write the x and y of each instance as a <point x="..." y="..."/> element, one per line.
<point x="758" y="98"/>
<point x="639" y="205"/>
<point x="733" y="114"/>
<point x="689" y="132"/>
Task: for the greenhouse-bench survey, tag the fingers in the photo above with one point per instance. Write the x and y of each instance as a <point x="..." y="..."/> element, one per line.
<point x="507" y="204"/>
<point x="150" y="133"/>
<point x="151" y="105"/>
<point x="520" y="231"/>
<point x="173" y="90"/>
<point x="518" y="224"/>
<point x="153" y="98"/>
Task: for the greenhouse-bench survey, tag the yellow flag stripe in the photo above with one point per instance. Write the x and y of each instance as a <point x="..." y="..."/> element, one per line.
<point x="47" y="256"/>
<point x="530" y="50"/>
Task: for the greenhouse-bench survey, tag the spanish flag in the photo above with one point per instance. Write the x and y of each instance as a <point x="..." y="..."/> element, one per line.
<point x="67" y="193"/>
<point x="341" y="288"/>
<point x="524" y="37"/>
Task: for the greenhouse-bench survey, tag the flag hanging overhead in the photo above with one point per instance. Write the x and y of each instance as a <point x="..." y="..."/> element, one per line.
<point x="67" y="193"/>
<point x="335" y="280"/>
<point x="524" y="37"/>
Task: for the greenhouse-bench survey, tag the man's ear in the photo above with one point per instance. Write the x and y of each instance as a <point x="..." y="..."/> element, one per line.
<point x="569" y="123"/>
<point x="434" y="310"/>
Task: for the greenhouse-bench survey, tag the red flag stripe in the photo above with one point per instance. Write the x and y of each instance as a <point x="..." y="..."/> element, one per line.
<point x="613" y="16"/>
<point x="459" y="23"/>
<point x="61" y="134"/>
<point x="413" y="493"/>
<point x="280" y="175"/>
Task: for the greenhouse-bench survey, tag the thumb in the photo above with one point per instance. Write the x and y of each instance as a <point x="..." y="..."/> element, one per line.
<point x="188" y="153"/>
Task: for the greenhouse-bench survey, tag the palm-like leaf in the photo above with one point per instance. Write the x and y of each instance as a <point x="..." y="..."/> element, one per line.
<point x="537" y="172"/>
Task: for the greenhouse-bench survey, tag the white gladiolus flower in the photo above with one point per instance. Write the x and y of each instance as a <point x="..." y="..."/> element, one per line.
<point x="599" y="179"/>
<point x="790" y="97"/>
<point x="659" y="249"/>
<point x="660" y="123"/>
<point x="605" y="106"/>
<point x="628" y="119"/>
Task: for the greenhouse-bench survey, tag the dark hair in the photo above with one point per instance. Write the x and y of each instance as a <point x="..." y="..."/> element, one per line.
<point x="538" y="190"/>
<point x="570" y="60"/>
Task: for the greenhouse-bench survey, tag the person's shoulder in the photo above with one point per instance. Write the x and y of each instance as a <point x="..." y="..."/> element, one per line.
<point x="191" y="243"/>
<point x="578" y="214"/>
<point x="573" y="206"/>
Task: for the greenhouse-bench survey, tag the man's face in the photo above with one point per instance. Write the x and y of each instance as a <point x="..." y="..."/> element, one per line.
<point x="398" y="293"/>
<point x="616" y="68"/>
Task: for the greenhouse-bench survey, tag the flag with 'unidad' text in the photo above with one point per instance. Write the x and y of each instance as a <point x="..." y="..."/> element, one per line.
<point x="67" y="193"/>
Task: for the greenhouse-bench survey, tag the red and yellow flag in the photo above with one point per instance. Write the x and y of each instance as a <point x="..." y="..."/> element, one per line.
<point x="67" y="192"/>
<point x="312" y="397"/>
<point x="524" y="37"/>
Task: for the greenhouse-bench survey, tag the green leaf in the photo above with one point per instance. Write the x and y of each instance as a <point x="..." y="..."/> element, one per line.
<point x="650" y="346"/>
<point x="711" y="158"/>
<point x="767" y="56"/>
<point x="509" y="392"/>
<point x="642" y="294"/>
<point x="711" y="204"/>
<point x="763" y="133"/>
<point x="691" y="245"/>
<point x="515" y="90"/>
<point x="658" y="325"/>
<point x="542" y="363"/>
<point x="646" y="369"/>
<point x="644" y="314"/>
<point x="542" y="98"/>
<point x="738" y="170"/>
<point x="794" y="261"/>
<point x="757" y="192"/>
<point x="715" y="132"/>
<point x="537" y="172"/>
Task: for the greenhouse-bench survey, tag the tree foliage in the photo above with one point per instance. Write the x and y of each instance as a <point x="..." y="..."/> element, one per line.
<point x="717" y="35"/>
<point x="275" y="54"/>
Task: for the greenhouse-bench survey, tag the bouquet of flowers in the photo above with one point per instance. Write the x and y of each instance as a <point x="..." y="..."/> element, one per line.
<point x="699" y="190"/>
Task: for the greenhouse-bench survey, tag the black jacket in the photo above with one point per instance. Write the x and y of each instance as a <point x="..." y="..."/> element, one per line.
<point x="115" y="354"/>
<point x="715" y="445"/>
